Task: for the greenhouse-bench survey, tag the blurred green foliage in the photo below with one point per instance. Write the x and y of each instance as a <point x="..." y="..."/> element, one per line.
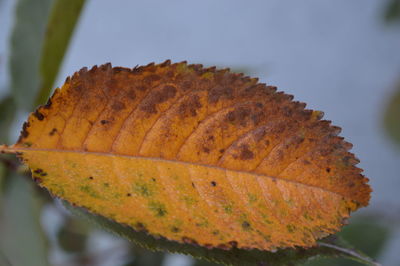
<point x="72" y="236"/>
<point x="392" y="11"/>
<point x="26" y="45"/>
<point x="22" y="240"/>
<point x="63" y="18"/>
<point x="7" y="113"/>
<point x="141" y="257"/>
<point x="392" y="116"/>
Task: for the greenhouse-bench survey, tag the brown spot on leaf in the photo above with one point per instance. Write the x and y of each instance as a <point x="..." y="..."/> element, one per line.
<point x="38" y="171"/>
<point x="206" y="150"/>
<point x="140" y="227"/>
<point x="233" y="243"/>
<point x="24" y="132"/>
<point x="160" y="96"/>
<point x="219" y="92"/>
<point x="118" y="106"/>
<point x="188" y="240"/>
<point x="246" y="225"/>
<point x="328" y="170"/>
<point x="49" y="102"/>
<point x="38" y="115"/>
<point x="190" y="106"/>
<point x="52" y="132"/>
<point x="37" y="180"/>
<point x="208" y="246"/>
<point x="131" y="94"/>
<point x="238" y="116"/>
<point x="175" y="229"/>
<point x="224" y="246"/>
<point x="246" y="153"/>
<point x="151" y="78"/>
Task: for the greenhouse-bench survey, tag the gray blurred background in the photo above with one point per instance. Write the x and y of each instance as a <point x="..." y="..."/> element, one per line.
<point x="337" y="56"/>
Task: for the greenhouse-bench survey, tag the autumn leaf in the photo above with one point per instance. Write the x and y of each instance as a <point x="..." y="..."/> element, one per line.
<point x="195" y="155"/>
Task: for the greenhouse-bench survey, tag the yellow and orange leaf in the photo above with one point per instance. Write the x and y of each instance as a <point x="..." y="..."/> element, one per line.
<point x="194" y="155"/>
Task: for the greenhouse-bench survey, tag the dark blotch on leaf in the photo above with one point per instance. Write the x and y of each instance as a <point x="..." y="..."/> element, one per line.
<point x="223" y="246"/>
<point x="53" y="131"/>
<point x="246" y="225"/>
<point x="233" y="243"/>
<point x="24" y="132"/>
<point x="220" y="92"/>
<point x="328" y="170"/>
<point x="175" y="229"/>
<point x="206" y="150"/>
<point x="38" y="115"/>
<point x="188" y="240"/>
<point x="118" y="106"/>
<point x="158" y="208"/>
<point x="37" y="180"/>
<point x="142" y="189"/>
<point x="38" y="171"/>
<point x="140" y="227"/>
<point x="159" y="96"/>
<point x="246" y="153"/>
<point x="213" y="183"/>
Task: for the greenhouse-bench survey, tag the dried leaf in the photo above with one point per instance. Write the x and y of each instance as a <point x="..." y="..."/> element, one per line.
<point x="199" y="156"/>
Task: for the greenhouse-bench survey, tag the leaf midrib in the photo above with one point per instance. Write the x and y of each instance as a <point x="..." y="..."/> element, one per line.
<point x="12" y="149"/>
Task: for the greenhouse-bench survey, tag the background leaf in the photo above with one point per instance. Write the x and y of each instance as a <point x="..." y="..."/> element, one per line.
<point x="7" y="113"/>
<point x="26" y="45"/>
<point x="63" y="19"/>
<point x="144" y="257"/>
<point x="22" y="240"/>
<point x="392" y="11"/>
<point x="392" y="116"/>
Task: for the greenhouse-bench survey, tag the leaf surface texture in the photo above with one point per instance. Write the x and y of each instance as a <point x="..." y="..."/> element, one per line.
<point x="196" y="155"/>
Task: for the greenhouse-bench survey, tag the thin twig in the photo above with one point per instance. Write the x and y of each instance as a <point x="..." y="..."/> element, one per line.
<point x="350" y="252"/>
